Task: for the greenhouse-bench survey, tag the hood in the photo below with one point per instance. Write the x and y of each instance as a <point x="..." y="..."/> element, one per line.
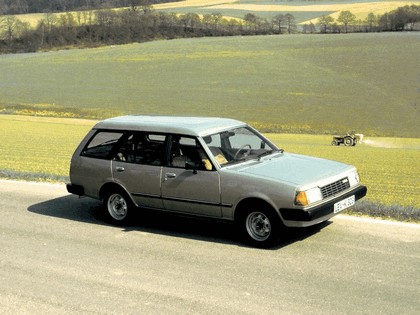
<point x="294" y="168"/>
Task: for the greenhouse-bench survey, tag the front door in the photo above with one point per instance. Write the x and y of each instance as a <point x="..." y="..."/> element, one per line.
<point x="194" y="188"/>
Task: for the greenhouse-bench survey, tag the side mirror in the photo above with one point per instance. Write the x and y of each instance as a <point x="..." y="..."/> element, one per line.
<point x="190" y="165"/>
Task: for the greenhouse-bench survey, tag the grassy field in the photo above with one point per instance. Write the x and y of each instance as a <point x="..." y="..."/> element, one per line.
<point x="36" y="148"/>
<point x="296" y="84"/>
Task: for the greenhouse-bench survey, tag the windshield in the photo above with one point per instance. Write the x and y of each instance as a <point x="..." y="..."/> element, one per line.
<point x="238" y="145"/>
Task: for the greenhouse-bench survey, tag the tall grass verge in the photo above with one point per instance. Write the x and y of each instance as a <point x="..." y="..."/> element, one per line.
<point x="393" y="212"/>
<point x="33" y="177"/>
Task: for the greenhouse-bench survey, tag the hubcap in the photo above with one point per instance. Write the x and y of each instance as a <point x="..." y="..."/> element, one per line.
<point x="117" y="207"/>
<point x="258" y="226"/>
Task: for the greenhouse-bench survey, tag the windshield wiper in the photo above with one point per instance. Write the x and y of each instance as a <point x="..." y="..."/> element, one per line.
<point x="269" y="152"/>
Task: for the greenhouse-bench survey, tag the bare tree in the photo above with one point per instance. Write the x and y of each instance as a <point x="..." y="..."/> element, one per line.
<point x="190" y="21"/>
<point x="346" y="18"/>
<point x="251" y="20"/>
<point x="372" y="21"/>
<point x="325" y="21"/>
<point x="11" y="27"/>
<point x="278" y="21"/>
<point x="309" y="28"/>
<point x="290" y="23"/>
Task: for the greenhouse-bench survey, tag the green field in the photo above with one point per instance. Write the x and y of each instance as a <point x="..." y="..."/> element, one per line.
<point x="40" y="149"/>
<point x="296" y="84"/>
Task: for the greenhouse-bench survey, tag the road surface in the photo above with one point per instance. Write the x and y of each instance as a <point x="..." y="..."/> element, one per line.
<point x="59" y="256"/>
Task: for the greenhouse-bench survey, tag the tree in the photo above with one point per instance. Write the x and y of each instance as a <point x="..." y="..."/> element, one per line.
<point x="251" y="20"/>
<point x="413" y="15"/>
<point x="325" y="21"/>
<point x="11" y="27"/>
<point x="346" y="18"/>
<point x="213" y="19"/>
<point x="290" y="23"/>
<point x="190" y="21"/>
<point x="278" y="21"/>
<point x="372" y="21"/>
<point x="309" y="28"/>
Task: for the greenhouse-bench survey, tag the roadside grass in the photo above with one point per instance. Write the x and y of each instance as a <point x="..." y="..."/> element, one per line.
<point x="389" y="212"/>
<point x="39" y="149"/>
<point x="295" y="84"/>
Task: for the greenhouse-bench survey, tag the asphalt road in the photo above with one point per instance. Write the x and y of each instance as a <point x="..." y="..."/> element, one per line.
<point x="59" y="256"/>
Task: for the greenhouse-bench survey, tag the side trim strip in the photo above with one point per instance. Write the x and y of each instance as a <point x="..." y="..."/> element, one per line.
<point x="199" y="202"/>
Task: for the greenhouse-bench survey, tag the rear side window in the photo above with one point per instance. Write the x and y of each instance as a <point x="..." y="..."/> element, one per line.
<point x="142" y="148"/>
<point x="102" y="145"/>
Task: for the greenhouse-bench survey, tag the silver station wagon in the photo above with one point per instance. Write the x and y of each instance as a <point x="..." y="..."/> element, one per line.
<point x="210" y="167"/>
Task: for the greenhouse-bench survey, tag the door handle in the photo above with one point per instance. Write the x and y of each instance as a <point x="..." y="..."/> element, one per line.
<point x="120" y="169"/>
<point x="169" y="175"/>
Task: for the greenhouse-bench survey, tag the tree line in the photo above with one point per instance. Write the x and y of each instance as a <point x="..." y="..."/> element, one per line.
<point x="402" y="19"/>
<point x="135" y="24"/>
<point x="140" y="23"/>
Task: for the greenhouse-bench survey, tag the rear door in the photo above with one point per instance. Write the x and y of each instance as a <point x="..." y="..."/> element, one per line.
<point x="137" y="166"/>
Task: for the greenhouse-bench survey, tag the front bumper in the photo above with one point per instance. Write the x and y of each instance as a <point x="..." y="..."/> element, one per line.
<point x="321" y="212"/>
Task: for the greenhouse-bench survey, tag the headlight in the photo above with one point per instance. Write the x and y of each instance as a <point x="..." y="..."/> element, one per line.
<point x="353" y="178"/>
<point x="304" y="198"/>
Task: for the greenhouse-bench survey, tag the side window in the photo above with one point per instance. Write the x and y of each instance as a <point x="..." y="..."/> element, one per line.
<point x="142" y="148"/>
<point x="187" y="149"/>
<point x="214" y="143"/>
<point x="102" y="144"/>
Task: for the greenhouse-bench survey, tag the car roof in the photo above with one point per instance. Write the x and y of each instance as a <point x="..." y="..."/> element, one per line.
<point x="194" y="126"/>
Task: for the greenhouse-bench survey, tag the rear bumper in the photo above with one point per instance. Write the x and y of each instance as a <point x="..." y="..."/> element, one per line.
<point x="75" y="189"/>
<point x="319" y="213"/>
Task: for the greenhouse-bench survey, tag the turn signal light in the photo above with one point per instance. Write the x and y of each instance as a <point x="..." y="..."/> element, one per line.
<point x="301" y="199"/>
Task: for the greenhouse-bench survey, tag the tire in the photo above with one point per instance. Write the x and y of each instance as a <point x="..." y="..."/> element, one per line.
<point x="348" y="141"/>
<point x="259" y="226"/>
<point x="334" y="142"/>
<point x="118" y="206"/>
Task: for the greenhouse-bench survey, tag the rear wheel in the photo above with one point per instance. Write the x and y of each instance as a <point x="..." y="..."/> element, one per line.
<point x="348" y="141"/>
<point x="259" y="226"/>
<point x="118" y="206"/>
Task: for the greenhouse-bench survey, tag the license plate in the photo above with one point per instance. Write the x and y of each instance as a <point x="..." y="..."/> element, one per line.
<point x="343" y="204"/>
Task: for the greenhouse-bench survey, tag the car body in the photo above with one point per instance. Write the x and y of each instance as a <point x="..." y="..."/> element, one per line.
<point x="211" y="167"/>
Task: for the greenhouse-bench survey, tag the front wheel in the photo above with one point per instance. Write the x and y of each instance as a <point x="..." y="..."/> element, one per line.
<point x="259" y="227"/>
<point x="118" y="206"/>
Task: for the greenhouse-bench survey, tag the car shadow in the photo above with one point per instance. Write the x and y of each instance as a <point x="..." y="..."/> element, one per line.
<point x="88" y="210"/>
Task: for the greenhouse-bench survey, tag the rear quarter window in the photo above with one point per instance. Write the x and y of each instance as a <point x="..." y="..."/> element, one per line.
<point x="102" y="145"/>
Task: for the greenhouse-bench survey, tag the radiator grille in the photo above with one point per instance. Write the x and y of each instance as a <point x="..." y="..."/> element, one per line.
<point x="335" y="188"/>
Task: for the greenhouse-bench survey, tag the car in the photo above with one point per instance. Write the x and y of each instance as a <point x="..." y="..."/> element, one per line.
<point x="210" y="167"/>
